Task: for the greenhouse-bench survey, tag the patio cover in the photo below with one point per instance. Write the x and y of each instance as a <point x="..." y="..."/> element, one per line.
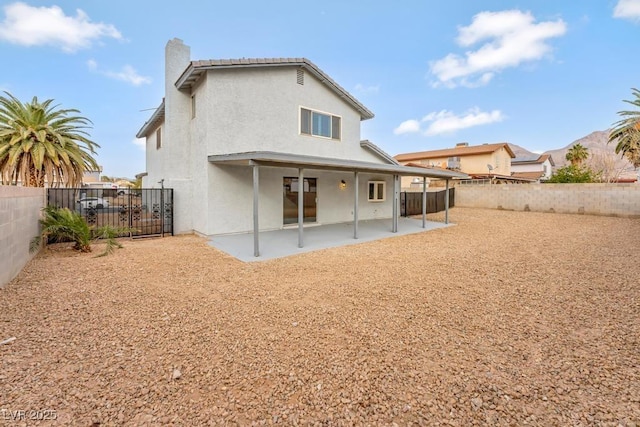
<point x="256" y="159"/>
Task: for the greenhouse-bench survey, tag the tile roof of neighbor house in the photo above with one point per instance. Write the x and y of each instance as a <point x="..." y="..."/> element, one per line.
<point x="419" y="165"/>
<point x="527" y="175"/>
<point x="498" y="177"/>
<point x="453" y="152"/>
<point x="534" y="159"/>
<point x="196" y="68"/>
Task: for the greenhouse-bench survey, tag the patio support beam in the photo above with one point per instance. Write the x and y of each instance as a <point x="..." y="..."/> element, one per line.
<point x="424" y="202"/>
<point x="396" y="203"/>
<point x="446" y="203"/>
<point x="300" y="207"/>
<point x="356" y="181"/>
<point x="256" y="226"/>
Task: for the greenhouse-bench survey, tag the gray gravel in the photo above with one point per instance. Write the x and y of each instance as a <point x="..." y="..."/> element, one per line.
<point x="508" y="318"/>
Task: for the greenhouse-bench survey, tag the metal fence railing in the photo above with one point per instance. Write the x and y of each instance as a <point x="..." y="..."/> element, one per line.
<point x="144" y="211"/>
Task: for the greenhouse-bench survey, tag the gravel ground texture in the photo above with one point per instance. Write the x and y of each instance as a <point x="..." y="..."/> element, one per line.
<point x="507" y="318"/>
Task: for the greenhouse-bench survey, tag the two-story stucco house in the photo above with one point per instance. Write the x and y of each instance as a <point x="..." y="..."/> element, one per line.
<point x="536" y="167"/>
<point x="260" y="144"/>
<point x="475" y="160"/>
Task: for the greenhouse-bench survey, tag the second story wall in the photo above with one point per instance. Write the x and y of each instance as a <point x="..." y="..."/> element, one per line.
<point x="500" y="161"/>
<point x="259" y="109"/>
<point x="154" y="156"/>
<point x="544" y="167"/>
<point x="471" y="163"/>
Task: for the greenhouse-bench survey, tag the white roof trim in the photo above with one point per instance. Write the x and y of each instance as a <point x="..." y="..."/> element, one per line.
<point x="365" y="143"/>
<point x="156" y="118"/>
<point x="287" y="160"/>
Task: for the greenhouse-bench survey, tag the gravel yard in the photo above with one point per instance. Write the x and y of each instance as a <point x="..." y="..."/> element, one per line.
<point x="507" y="318"/>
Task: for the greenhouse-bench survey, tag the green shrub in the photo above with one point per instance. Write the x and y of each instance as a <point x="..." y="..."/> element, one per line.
<point x="63" y="225"/>
<point x="573" y="174"/>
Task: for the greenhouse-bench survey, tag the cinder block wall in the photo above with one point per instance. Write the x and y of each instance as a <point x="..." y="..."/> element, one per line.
<point x="19" y="214"/>
<point x="591" y="199"/>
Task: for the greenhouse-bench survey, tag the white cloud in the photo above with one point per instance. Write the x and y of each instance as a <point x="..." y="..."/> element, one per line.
<point x="627" y="9"/>
<point x="509" y="38"/>
<point x="127" y="74"/>
<point x="141" y="143"/>
<point x="130" y="75"/>
<point x="367" y="89"/>
<point x="37" y="26"/>
<point x="408" y="126"/>
<point x="443" y="122"/>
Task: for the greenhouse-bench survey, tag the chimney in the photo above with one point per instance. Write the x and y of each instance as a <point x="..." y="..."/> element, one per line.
<point x="177" y="57"/>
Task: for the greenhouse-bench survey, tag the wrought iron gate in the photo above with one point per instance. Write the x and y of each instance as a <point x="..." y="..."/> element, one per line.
<point x="145" y="211"/>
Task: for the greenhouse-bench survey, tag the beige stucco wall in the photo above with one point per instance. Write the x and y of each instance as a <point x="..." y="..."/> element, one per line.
<point x="476" y="163"/>
<point x="500" y="160"/>
<point x="19" y="214"/>
<point x="594" y="199"/>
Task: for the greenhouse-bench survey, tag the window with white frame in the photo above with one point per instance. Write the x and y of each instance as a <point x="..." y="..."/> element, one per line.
<point x="158" y="138"/>
<point x="193" y="106"/>
<point x="319" y="124"/>
<point x="376" y="191"/>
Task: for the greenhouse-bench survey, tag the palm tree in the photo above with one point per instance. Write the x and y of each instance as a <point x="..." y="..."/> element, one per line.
<point x="577" y="154"/>
<point x="62" y="224"/>
<point x="626" y="131"/>
<point x="39" y="142"/>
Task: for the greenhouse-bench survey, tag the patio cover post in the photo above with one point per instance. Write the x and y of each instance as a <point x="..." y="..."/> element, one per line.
<point x="396" y="202"/>
<point x="356" y="179"/>
<point x="424" y="202"/>
<point x="256" y="228"/>
<point x="300" y="207"/>
<point x="446" y="203"/>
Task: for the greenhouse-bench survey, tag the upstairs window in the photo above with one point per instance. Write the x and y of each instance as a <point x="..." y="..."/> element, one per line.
<point x="376" y="191"/>
<point x="453" y="163"/>
<point x="158" y="139"/>
<point x="193" y="106"/>
<point x="319" y="124"/>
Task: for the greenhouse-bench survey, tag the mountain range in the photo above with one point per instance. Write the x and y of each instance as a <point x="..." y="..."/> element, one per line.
<point x="601" y="154"/>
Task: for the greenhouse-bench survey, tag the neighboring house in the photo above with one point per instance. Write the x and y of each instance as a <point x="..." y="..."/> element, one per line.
<point x="492" y="160"/>
<point x="89" y="177"/>
<point x="236" y="138"/>
<point x="536" y="167"/>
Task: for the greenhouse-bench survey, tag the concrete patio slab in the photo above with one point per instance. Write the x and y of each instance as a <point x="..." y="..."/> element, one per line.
<point x="283" y="243"/>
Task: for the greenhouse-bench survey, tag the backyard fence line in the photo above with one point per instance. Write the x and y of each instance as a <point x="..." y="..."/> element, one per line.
<point x="141" y="211"/>
<point x="411" y="202"/>
<point x="20" y="209"/>
<point x="590" y="199"/>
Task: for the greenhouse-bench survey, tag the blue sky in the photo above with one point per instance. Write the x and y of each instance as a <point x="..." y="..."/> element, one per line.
<point x="536" y="73"/>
